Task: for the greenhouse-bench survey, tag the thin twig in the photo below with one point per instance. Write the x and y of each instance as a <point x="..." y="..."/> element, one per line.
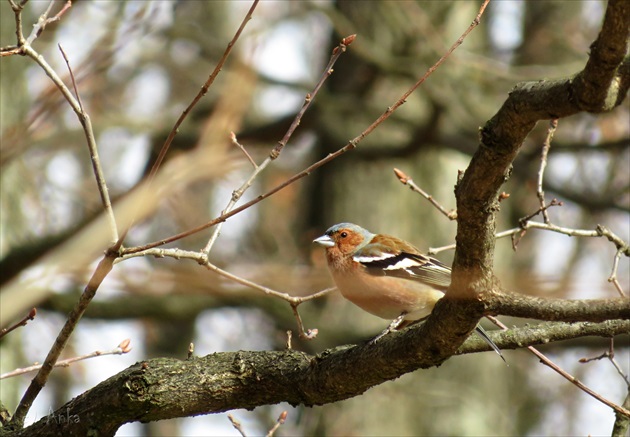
<point x="89" y="135"/>
<point x="352" y="144"/>
<point x="275" y="152"/>
<point x="106" y="263"/>
<point x="237" y="425"/>
<point x="553" y="124"/>
<point x="201" y="93"/>
<point x="202" y="259"/>
<point x="38" y="28"/>
<point x="122" y="348"/>
<point x="406" y="180"/>
<point x="578" y="383"/>
<point x="613" y="275"/>
<point x="242" y="148"/>
<point x="498" y="235"/>
<point x="24" y="46"/>
<point x="610" y="354"/>
<point x="30" y="316"/>
<point x="543" y="209"/>
<point x="294" y="301"/>
<point x="38" y="382"/>
<point x="516" y="238"/>
<point x="600" y="231"/>
<point x="74" y="83"/>
<point x="195" y="100"/>
<point x="336" y="53"/>
<point x="281" y="419"/>
<point x="546" y="361"/>
<point x="17" y="9"/>
<point x="307" y="334"/>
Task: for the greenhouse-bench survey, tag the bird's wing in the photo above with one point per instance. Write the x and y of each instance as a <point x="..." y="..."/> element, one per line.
<point x="405" y="265"/>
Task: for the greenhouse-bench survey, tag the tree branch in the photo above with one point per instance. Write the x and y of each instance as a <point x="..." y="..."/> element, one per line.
<point x="592" y="310"/>
<point x="477" y="191"/>
<point x="528" y="103"/>
<point x="165" y="388"/>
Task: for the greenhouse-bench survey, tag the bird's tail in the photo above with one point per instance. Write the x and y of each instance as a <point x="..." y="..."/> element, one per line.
<point x="482" y="333"/>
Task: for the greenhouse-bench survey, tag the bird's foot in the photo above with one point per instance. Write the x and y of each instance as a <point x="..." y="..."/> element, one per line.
<point x="392" y="327"/>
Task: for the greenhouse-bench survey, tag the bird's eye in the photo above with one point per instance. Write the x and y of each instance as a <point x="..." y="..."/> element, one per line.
<point x="344" y="234"/>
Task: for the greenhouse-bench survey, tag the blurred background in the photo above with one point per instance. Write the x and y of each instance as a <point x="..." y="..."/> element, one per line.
<point x="138" y="64"/>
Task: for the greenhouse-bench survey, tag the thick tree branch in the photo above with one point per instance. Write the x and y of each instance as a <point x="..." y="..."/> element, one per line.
<point x="602" y="85"/>
<point x="164" y="388"/>
<point x="504" y="134"/>
<point x="592" y="310"/>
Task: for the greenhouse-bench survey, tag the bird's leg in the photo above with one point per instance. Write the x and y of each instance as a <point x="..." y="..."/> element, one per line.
<point x="392" y="327"/>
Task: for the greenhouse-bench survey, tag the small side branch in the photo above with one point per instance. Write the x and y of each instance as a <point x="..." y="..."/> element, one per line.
<point x="572" y="379"/>
<point x="202" y="259"/>
<point x="553" y="124"/>
<point x="204" y="90"/>
<point x="122" y="348"/>
<point x="352" y="144"/>
<point x="30" y="316"/>
<point x="406" y="180"/>
<point x="40" y="379"/>
<point x="275" y="152"/>
<point x="610" y="354"/>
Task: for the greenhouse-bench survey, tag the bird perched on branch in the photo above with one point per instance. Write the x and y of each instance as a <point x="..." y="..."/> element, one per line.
<point x="386" y="276"/>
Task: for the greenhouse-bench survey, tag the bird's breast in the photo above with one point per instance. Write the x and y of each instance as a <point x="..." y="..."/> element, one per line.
<point x="388" y="297"/>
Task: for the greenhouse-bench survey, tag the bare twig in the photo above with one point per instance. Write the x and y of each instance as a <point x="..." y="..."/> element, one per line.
<point x="546" y="361"/>
<point x="308" y="334"/>
<point x="613" y="274"/>
<point x="352" y="144"/>
<point x="122" y="348"/>
<point x="600" y="231"/>
<point x="89" y="135"/>
<point x="195" y="100"/>
<point x="275" y="152"/>
<point x="106" y="263"/>
<point x="74" y="83"/>
<point x="572" y="379"/>
<point x="516" y="237"/>
<point x="43" y="20"/>
<point x="201" y="93"/>
<point x="30" y="316"/>
<point x="406" y="180"/>
<point x="553" y="124"/>
<point x="202" y="259"/>
<point x="281" y="419"/>
<point x="38" y="28"/>
<point x="610" y="354"/>
<point x="294" y="301"/>
<point x="237" y="425"/>
<point x="25" y="48"/>
<point x="240" y="146"/>
<point x="38" y="382"/>
<point x="543" y="209"/>
<point x="498" y="235"/>
<point x="17" y="10"/>
<point x="336" y="53"/>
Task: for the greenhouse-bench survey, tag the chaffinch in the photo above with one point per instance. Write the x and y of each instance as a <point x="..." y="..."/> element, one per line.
<point x="386" y="276"/>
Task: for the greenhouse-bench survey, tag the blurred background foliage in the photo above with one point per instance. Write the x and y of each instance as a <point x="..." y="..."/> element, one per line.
<point x="139" y="63"/>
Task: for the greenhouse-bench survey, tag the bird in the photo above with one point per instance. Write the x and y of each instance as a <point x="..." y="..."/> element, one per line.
<point x="386" y="276"/>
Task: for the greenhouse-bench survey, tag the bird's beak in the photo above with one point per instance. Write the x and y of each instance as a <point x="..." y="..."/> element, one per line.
<point x="325" y="241"/>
